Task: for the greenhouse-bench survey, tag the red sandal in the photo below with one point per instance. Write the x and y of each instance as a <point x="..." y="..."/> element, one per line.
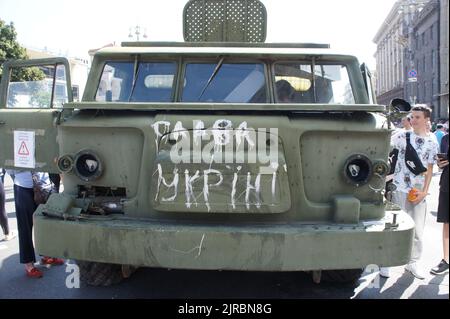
<point x="52" y="261"/>
<point x="34" y="273"/>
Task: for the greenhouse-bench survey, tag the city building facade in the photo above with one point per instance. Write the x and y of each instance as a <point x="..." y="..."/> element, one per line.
<point x="425" y="55"/>
<point x="393" y="55"/>
<point x="412" y="55"/>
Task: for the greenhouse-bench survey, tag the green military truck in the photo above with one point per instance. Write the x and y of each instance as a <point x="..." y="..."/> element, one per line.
<point x="221" y="152"/>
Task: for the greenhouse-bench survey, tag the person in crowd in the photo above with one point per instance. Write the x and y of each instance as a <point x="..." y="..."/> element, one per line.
<point x="406" y="123"/>
<point x="428" y="125"/>
<point x="440" y="132"/>
<point x="408" y="182"/>
<point x="9" y="234"/>
<point x="403" y="125"/>
<point x="25" y="207"/>
<point x="442" y="214"/>
<point x="56" y="181"/>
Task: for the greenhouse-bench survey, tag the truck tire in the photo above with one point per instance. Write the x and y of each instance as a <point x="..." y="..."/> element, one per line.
<point x="99" y="274"/>
<point x="341" y="275"/>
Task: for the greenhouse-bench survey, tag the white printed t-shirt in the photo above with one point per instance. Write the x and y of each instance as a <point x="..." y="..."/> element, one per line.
<point x="426" y="148"/>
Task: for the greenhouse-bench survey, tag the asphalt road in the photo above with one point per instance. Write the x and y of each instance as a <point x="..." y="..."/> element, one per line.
<point x="162" y="283"/>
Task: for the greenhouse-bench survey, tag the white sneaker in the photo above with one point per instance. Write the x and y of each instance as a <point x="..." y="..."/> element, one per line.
<point x="415" y="270"/>
<point x="12" y="234"/>
<point x="385" y="272"/>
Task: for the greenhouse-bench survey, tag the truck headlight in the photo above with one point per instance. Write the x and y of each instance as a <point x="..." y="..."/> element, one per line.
<point x="88" y="166"/>
<point x="358" y="169"/>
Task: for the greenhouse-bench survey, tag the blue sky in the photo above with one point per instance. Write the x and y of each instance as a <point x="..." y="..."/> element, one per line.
<point x="73" y="27"/>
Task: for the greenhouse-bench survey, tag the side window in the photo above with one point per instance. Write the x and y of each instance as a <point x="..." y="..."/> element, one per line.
<point x="153" y="82"/>
<point x="298" y="83"/>
<point x="60" y="87"/>
<point x="37" y="87"/>
<point x="367" y="77"/>
<point x="333" y="85"/>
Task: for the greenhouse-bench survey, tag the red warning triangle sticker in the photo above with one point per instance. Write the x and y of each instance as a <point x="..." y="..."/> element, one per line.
<point x="23" y="150"/>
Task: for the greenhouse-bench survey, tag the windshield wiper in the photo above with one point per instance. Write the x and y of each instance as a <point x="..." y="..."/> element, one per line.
<point x="213" y="75"/>
<point x="135" y="75"/>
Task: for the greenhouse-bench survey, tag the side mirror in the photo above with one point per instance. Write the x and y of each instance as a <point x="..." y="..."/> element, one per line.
<point x="399" y="105"/>
<point x="397" y="109"/>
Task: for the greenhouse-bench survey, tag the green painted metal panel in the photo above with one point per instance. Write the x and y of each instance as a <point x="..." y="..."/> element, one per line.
<point x="42" y="124"/>
<point x="231" y="246"/>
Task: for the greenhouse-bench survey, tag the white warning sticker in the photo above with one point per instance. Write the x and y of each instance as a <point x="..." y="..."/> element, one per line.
<point x="24" y="149"/>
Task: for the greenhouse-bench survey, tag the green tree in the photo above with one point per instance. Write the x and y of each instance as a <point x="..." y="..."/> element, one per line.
<point x="10" y="49"/>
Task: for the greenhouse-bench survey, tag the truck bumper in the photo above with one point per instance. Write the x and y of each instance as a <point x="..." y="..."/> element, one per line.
<point x="276" y="247"/>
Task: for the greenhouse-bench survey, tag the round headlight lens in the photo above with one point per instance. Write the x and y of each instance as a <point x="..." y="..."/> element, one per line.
<point x="88" y="166"/>
<point x="358" y="169"/>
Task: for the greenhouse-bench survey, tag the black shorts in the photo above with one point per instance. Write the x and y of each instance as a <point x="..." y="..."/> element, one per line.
<point x="442" y="215"/>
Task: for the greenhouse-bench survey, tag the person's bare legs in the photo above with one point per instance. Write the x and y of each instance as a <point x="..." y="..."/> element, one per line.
<point x="445" y="239"/>
<point x="442" y="267"/>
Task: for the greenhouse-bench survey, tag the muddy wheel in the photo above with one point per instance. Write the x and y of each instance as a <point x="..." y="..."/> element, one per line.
<point x="341" y="275"/>
<point x="100" y="274"/>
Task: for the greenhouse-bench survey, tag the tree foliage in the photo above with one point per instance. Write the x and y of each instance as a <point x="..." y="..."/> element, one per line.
<point x="10" y="49"/>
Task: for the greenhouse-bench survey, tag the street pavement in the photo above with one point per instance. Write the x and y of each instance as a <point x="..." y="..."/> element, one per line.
<point x="163" y="283"/>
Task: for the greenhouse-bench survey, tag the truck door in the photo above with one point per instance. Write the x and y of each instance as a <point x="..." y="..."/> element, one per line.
<point x="32" y="94"/>
<point x="367" y="76"/>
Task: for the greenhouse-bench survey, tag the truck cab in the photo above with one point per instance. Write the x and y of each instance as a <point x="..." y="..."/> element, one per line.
<point x="222" y="152"/>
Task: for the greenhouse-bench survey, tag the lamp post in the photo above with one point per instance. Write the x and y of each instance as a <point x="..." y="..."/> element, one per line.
<point x="137" y="32"/>
<point x="409" y="9"/>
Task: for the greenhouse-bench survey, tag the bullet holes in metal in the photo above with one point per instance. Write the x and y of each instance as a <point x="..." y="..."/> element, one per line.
<point x="65" y="163"/>
<point x="358" y="169"/>
<point x="88" y="166"/>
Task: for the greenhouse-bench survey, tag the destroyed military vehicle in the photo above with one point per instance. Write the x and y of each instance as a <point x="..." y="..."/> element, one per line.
<point x="222" y="152"/>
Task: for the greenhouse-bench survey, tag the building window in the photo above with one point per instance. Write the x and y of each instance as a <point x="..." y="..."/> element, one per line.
<point x="434" y="59"/>
<point x="432" y="31"/>
<point x="76" y="93"/>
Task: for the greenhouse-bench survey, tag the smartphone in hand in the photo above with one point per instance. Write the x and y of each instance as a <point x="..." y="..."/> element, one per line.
<point x="442" y="156"/>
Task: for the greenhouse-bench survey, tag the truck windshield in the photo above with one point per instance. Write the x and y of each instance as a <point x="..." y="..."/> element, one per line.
<point x="298" y="83"/>
<point x="232" y="83"/>
<point x="154" y="82"/>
